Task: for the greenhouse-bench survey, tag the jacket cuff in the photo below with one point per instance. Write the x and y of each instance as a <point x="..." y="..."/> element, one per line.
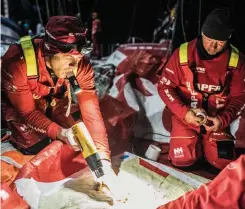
<point x="53" y="129"/>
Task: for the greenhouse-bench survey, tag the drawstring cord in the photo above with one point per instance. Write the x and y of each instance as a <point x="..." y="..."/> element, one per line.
<point x="68" y="110"/>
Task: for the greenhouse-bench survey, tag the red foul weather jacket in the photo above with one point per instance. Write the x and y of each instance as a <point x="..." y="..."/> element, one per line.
<point x="218" y="85"/>
<point x="96" y="26"/>
<point x="28" y="96"/>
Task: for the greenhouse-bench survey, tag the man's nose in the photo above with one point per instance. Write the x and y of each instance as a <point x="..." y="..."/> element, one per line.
<point x="215" y="45"/>
<point x="77" y="57"/>
<point x="75" y="60"/>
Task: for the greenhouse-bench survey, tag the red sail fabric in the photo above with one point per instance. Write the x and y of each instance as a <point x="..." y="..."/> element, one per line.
<point x="11" y="199"/>
<point x="55" y="162"/>
<point x="226" y="191"/>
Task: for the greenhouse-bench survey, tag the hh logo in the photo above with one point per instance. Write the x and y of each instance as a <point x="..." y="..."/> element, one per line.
<point x="178" y="152"/>
<point x="165" y="81"/>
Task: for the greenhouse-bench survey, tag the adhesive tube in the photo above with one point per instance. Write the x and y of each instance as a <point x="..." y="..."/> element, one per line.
<point x="153" y="152"/>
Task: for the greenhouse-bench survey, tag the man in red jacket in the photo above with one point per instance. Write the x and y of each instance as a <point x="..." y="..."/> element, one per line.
<point x="35" y="100"/>
<point x="36" y="97"/>
<point x="40" y="100"/>
<point x="203" y="84"/>
<point x="96" y="34"/>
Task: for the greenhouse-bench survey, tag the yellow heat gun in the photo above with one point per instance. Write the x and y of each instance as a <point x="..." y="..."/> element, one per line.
<point x="88" y="148"/>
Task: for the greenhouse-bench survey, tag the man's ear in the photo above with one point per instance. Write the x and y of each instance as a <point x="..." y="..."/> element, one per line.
<point x="48" y="61"/>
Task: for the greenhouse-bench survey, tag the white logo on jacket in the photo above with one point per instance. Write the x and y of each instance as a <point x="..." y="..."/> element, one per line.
<point x="76" y="34"/>
<point x="209" y="88"/>
<point x="200" y="70"/>
<point x="178" y="152"/>
<point x="9" y="86"/>
<point x="167" y="69"/>
<point x="165" y="81"/>
<point x="194" y="99"/>
<point x="169" y="95"/>
<point x="4" y="195"/>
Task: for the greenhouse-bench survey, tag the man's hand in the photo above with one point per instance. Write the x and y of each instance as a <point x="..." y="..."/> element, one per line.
<point x="201" y="113"/>
<point x="67" y="136"/>
<point x="191" y="117"/>
<point x="198" y="110"/>
<point x="86" y="183"/>
<point x="216" y="124"/>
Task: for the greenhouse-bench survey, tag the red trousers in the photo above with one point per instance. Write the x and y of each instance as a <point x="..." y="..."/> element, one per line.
<point x="187" y="145"/>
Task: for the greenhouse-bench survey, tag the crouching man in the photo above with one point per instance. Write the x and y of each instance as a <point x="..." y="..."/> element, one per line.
<point x="203" y="84"/>
<point x="38" y="100"/>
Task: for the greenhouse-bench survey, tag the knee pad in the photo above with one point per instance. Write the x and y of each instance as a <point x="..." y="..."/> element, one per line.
<point x="184" y="150"/>
<point x="219" y="149"/>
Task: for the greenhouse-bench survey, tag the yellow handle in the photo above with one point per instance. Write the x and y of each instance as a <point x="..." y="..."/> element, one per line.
<point x="84" y="139"/>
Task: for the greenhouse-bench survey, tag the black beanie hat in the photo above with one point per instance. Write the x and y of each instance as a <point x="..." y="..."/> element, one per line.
<point x="218" y="24"/>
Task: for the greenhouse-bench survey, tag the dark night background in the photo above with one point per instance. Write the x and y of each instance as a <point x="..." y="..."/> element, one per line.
<point x="117" y="16"/>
